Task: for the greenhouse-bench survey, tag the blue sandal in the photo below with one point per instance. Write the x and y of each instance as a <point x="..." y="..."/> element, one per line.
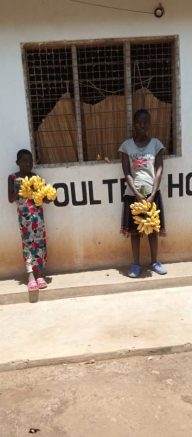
<point x="134" y="271"/>
<point x="158" y="268"/>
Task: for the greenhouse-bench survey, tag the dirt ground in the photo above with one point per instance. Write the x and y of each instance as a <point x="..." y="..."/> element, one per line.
<point x="134" y="397"/>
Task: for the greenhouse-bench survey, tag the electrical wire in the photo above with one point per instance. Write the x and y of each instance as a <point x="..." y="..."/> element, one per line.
<point x="111" y="7"/>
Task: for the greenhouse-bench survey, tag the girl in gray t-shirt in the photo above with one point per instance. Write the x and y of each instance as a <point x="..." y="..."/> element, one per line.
<point x="142" y="162"/>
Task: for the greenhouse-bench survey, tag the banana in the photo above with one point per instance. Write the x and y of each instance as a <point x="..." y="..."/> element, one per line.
<point x="138" y="219"/>
<point x="140" y="227"/>
<point x="144" y="202"/>
<point x="145" y="216"/>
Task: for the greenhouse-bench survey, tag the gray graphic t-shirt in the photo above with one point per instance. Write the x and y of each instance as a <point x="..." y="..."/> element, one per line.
<point x="142" y="160"/>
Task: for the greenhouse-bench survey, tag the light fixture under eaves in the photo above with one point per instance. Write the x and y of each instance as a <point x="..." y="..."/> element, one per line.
<point x="159" y="11"/>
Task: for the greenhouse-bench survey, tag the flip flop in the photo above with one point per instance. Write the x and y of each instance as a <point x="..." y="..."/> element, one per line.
<point x="41" y="283"/>
<point x="32" y="286"/>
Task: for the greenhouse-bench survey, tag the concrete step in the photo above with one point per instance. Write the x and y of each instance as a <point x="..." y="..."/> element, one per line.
<point x="97" y="282"/>
<point x="96" y="327"/>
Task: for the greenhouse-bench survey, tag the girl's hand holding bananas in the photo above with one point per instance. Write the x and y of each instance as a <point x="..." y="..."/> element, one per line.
<point x="146" y="216"/>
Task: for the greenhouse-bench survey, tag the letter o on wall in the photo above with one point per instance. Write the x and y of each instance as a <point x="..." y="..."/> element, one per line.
<point x="64" y="188"/>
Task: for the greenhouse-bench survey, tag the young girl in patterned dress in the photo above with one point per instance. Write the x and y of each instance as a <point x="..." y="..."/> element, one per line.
<point x="31" y="223"/>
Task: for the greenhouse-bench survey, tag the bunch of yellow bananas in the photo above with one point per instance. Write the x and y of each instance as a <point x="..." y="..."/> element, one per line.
<point x="25" y="189"/>
<point x="35" y="188"/>
<point x="50" y="192"/>
<point x="146" y="216"/>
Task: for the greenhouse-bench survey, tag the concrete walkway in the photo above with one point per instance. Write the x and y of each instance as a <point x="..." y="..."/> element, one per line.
<point x="97" y="282"/>
<point x="153" y="320"/>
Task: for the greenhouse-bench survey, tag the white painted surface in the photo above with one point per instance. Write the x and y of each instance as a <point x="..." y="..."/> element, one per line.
<point x="87" y="236"/>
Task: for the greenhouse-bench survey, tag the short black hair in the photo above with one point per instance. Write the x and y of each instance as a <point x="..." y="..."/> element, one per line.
<point x="22" y="152"/>
<point x="141" y="111"/>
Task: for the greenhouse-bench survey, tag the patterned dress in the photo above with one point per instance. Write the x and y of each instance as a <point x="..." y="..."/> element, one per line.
<point x="32" y="228"/>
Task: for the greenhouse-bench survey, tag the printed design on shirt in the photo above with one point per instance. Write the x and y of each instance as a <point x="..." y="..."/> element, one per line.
<point x="140" y="161"/>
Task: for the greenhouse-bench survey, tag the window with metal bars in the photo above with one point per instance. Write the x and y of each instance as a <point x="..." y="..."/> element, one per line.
<point x="82" y="96"/>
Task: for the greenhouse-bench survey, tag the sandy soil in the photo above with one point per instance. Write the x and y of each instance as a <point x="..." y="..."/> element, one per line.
<point x="134" y="397"/>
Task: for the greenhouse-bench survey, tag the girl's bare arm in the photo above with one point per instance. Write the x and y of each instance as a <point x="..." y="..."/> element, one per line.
<point x="12" y="195"/>
<point x="158" y="173"/>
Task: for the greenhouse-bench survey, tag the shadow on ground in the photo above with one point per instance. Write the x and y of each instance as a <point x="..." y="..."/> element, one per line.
<point x="146" y="272"/>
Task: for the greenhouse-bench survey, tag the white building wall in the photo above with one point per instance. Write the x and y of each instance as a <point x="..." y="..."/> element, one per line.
<point x="87" y="236"/>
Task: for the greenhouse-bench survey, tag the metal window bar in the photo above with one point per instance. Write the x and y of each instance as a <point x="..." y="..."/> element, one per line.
<point x="77" y="104"/>
<point x="51" y="90"/>
<point x="128" y="86"/>
<point x="176" y="113"/>
<point x="28" y="102"/>
<point x="102" y="96"/>
<point x="151" y="67"/>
